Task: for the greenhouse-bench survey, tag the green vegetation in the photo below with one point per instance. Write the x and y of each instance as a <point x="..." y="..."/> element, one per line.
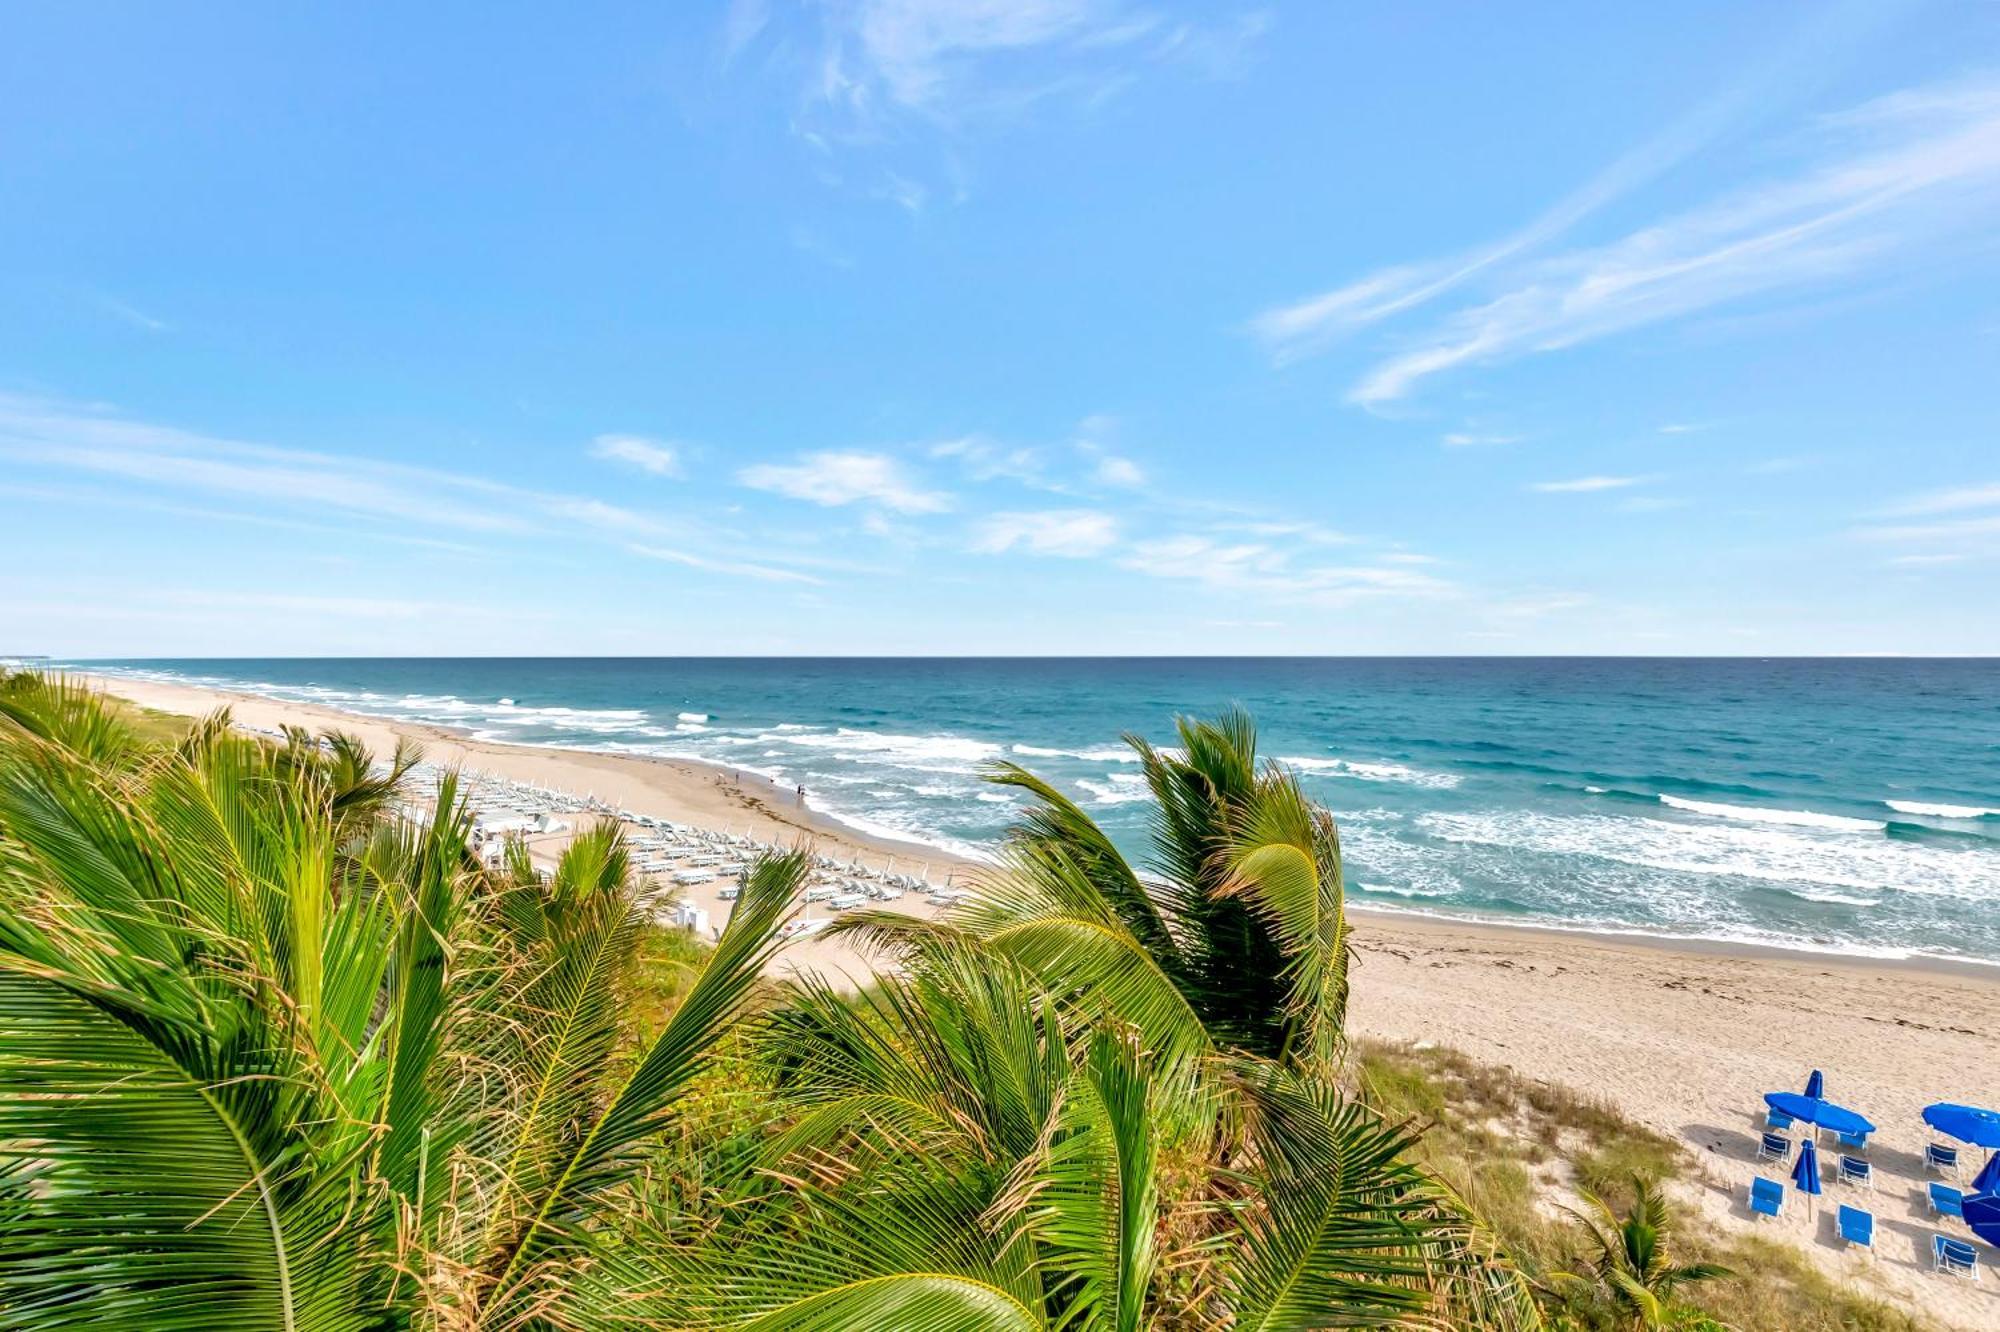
<point x="272" y="1056"/>
<point x="1523" y="1153"/>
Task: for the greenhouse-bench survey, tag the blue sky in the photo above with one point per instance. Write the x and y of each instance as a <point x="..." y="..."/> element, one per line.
<point x="971" y="326"/>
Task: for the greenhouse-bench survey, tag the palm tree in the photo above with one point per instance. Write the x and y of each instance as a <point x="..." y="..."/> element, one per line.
<point x="1080" y="1102"/>
<point x="270" y="1060"/>
<point x="1631" y="1273"/>
<point x="1236" y="940"/>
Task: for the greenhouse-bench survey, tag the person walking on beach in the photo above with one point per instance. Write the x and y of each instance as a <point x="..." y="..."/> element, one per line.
<point x="802" y="795"/>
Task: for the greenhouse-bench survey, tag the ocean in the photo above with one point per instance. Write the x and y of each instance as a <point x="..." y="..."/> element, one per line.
<point x="1847" y="805"/>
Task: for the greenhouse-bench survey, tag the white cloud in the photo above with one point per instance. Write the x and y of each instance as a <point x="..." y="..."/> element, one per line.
<point x="1461" y="439"/>
<point x="1894" y="180"/>
<point x="1075" y="533"/>
<point x="1586" y="484"/>
<point x="398" y="502"/>
<point x="647" y="455"/>
<point x="1956" y="500"/>
<point x="133" y="315"/>
<point x="836" y="477"/>
<point x="1927" y="561"/>
<point x="983" y="459"/>
<point x="1255" y="567"/>
<point x="740" y="568"/>
<point x="1311" y="533"/>
<point x="917" y="53"/>
<point x="1113" y="470"/>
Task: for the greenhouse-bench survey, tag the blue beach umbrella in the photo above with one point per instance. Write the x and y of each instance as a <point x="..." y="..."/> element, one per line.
<point x="1805" y="1174"/>
<point x="1967" y="1123"/>
<point x="1816" y="1085"/>
<point x="1988" y="1178"/>
<point x="1813" y="1110"/>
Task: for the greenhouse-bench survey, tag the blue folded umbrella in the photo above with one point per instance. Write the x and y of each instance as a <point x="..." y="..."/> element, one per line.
<point x="1967" y="1123"/>
<point x="1805" y="1174"/>
<point x="1816" y="1085"/>
<point x="1982" y="1216"/>
<point x="1813" y="1110"/>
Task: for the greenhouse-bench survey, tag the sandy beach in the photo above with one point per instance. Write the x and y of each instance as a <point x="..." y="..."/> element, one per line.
<point x="1683" y="1038"/>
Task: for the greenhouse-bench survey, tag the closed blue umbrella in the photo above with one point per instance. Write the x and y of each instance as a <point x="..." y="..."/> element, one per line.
<point x="1967" y="1123"/>
<point x="1805" y="1173"/>
<point x="1816" y="1085"/>
<point x="1982" y="1216"/>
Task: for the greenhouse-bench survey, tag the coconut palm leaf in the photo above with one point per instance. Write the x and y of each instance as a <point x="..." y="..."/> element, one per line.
<point x="552" y="1222"/>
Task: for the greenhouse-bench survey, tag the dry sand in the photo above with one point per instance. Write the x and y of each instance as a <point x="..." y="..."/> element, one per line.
<point x="1683" y="1038"/>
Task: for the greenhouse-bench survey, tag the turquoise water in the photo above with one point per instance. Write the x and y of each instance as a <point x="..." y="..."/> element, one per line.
<point x="1846" y="805"/>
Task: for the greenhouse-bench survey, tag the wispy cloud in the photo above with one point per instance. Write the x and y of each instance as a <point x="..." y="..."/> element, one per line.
<point x="1113" y="470"/>
<point x="1276" y="572"/>
<point x="295" y="488"/>
<point x="1955" y="500"/>
<point x="740" y="568"/>
<point x="870" y="71"/>
<point x="133" y="315"/>
<point x="1586" y="484"/>
<point x="837" y="477"/>
<point x="1954" y="524"/>
<point x="1465" y="439"/>
<point x="1888" y="182"/>
<point x="983" y="459"/>
<point x="1075" y="533"/>
<point x="648" y="455"/>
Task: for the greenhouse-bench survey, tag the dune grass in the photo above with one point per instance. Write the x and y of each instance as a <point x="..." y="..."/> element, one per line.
<point x="1518" y="1149"/>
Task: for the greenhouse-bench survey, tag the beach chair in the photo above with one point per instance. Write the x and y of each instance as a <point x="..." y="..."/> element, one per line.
<point x="1857" y="1228"/>
<point x="1941" y="1158"/>
<point x="1777" y="1121"/>
<point x="1955" y="1257"/>
<point x="1767" y="1197"/>
<point x="1774" y="1147"/>
<point x="1858" y="1141"/>
<point x="1854" y="1170"/>
<point x="1947" y="1201"/>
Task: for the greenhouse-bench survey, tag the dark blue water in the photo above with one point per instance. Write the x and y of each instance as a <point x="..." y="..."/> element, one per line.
<point x="1841" y="804"/>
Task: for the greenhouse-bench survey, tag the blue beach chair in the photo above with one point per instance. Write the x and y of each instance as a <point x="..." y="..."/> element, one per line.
<point x="1774" y="1147"/>
<point x="1941" y="1158"/>
<point x="1954" y="1256"/>
<point x="1777" y="1121"/>
<point x="1857" y="1228"/>
<point x="1854" y="1170"/>
<point x="1947" y="1201"/>
<point x="1858" y="1141"/>
<point x="1767" y="1197"/>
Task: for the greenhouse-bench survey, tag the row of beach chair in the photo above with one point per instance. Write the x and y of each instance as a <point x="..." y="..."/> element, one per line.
<point x="1954" y="1257"/>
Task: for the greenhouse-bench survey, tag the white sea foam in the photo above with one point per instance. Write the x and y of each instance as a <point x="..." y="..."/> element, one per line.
<point x="1374" y="772"/>
<point x="1843" y="899"/>
<point x="1102" y="754"/>
<point x="1770" y="854"/>
<point x="1113" y="792"/>
<point x="1795" y="818"/>
<point x="691" y="716"/>
<point x="908" y="750"/>
<point x="1927" y="810"/>
<point x="1400" y="891"/>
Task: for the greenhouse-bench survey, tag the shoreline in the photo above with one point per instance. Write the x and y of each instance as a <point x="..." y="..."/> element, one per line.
<point x="824" y="825"/>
